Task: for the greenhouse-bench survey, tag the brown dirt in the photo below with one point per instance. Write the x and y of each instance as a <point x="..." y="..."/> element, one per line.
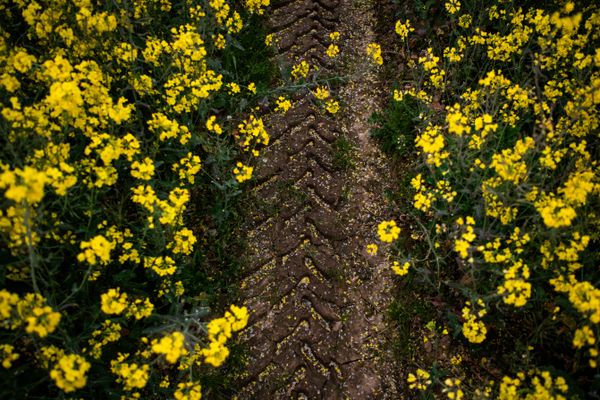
<point x="318" y="301"/>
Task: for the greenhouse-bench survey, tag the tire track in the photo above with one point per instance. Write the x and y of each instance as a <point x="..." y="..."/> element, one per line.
<point x="313" y="328"/>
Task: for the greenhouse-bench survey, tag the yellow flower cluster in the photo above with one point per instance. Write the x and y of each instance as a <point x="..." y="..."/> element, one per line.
<point x="7" y="355"/>
<point x="374" y="51"/>
<point x="541" y="385"/>
<point x="388" y="231"/>
<point x="420" y="380"/>
<point x="332" y="106"/>
<point x="404" y="28"/>
<point x="172" y="346"/>
<point x="300" y="70"/>
<point x="255" y="6"/>
<point x="283" y="104"/>
<point x="109" y="332"/>
<point x="188" y="390"/>
<point x="423" y="198"/>
<point x="452" y="389"/>
<point x="509" y="165"/>
<point x="163" y="266"/>
<point x="107" y="109"/>
<point x="473" y="328"/>
<point x="252" y="134"/>
<point x="463" y="244"/>
<point x="321" y="93"/>
<point x="183" y="242"/>
<point x="96" y="250"/>
<point x="431" y="64"/>
<point x="131" y="375"/>
<point x="372" y="249"/>
<point x="333" y="49"/>
<point x="242" y="172"/>
<point x="113" y="302"/>
<point x="400" y="269"/>
<point x="515" y="289"/>
<point x="69" y="373"/>
<point x="220" y="331"/>
<point x="514" y="147"/>
<point x="432" y="142"/>
<point x="30" y="310"/>
<point x="188" y="167"/>
<point x="452" y="6"/>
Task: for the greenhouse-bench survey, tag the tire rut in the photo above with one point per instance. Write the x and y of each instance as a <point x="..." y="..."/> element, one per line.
<point x="312" y="329"/>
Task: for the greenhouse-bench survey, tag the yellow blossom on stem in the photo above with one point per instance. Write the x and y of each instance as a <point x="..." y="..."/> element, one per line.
<point x="374" y="51"/>
<point x="388" y="231"/>
<point x="69" y="373"/>
<point x="372" y="249"/>
<point x="172" y="346"/>
<point x="400" y="269"/>
<point x="113" y="301"/>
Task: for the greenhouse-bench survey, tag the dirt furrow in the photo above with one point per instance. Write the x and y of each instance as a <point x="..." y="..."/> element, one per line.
<point x="317" y="299"/>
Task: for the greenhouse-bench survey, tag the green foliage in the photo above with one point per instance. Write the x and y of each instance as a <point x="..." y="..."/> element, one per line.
<point x="396" y="126"/>
<point x="118" y="200"/>
<point x="343" y="153"/>
<point x="500" y="199"/>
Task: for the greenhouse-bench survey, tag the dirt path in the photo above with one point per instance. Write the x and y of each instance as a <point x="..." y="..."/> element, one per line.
<point x="318" y="299"/>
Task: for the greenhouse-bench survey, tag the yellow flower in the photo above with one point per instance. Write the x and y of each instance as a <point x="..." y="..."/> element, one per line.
<point x="143" y="170"/>
<point x="22" y="61"/>
<point x="300" y="70"/>
<point x="473" y="329"/>
<point x="23" y="184"/>
<point x="69" y="373"/>
<point x="583" y="337"/>
<point x="555" y="212"/>
<point x="269" y="40"/>
<point x="452" y="389"/>
<point x="388" y="231"/>
<point x="332" y="106"/>
<point x="113" y="301"/>
<point x="258" y="7"/>
<point x="452" y="6"/>
<point x="419" y="381"/>
<point x="163" y="266"/>
<point x="333" y="50"/>
<point x="132" y="375"/>
<point x="188" y="391"/>
<point x="321" y="93"/>
<point x="40" y="318"/>
<point x="400" y="269"/>
<point x="372" y="249"/>
<point x="215" y="354"/>
<point x="96" y="250"/>
<point x="283" y="104"/>
<point x="171" y="346"/>
<point x="374" y="51"/>
<point x="234" y="88"/>
<point x="238" y="318"/>
<point x="242" y="172"/>
<point x="403" y="29"/>
<point x="7" y="355"/>
<point x="183" y="242"/>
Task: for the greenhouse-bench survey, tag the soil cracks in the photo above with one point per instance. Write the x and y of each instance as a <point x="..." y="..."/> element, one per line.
<point x="318" y="300"/>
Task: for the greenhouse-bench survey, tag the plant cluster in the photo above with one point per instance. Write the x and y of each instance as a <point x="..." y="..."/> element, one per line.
<point x="502" y="112"/>
<point x="117" y="119"/>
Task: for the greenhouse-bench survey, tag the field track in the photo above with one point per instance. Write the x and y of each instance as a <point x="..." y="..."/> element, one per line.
<point x="315" y="295"/>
